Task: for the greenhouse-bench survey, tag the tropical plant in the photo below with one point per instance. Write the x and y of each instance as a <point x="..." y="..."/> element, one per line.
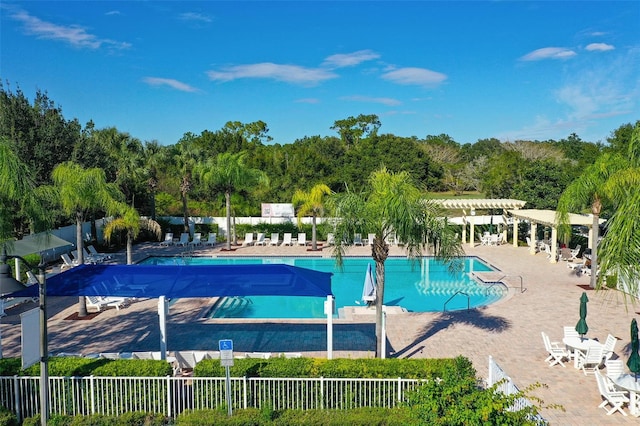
<point x="228" y="173"/>
<point x="395" y="208"/>
<point x="80" y="191"/>
<point x="129" y="221"/>
<point x="311" y="203"/>
<point x="186" y="159"/>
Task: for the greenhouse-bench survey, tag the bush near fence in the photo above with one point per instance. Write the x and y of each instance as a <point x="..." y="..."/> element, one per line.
<point x="81" y="367"/>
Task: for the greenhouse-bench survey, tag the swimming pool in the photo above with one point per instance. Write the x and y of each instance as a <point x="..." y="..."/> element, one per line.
<point x="423" y="286"/>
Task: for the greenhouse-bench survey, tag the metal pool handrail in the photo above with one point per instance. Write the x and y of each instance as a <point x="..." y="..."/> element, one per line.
<point x="444" y="309"/>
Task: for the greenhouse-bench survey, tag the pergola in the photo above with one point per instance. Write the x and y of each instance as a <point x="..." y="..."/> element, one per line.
<point x="549" y="218"/>
<point x="471" y="205"/>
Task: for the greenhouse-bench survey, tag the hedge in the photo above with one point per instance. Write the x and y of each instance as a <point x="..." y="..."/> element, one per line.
<point x="78" y="367"/>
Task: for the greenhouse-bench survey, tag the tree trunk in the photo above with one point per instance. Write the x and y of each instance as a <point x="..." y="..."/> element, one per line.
<point x="595" y="231"/>
<point x="379" y="252"/>
<point x="227" y="198"/>
<point x="185" y="212"/>
<point x="314" y="244"/>
<point x="82" y="302"/>
<point x="129" y="248"/>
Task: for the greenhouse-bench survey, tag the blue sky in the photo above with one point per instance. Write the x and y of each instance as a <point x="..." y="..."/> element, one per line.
<point x="472" y="70"/>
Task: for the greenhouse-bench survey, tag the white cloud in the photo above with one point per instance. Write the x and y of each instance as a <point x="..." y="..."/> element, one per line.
<point x="349" y="59"/>
<point x="288" y="73"/>
<point x="549" y="53"/>
<point x="384" y="101"/>
<point x="175" y="84"/>
<point x="599" y="47"/>
<point x="113" y="12"/>
<point x="73" y="34"/>
<point x="195" y="17"/>
<point x="415" y="76"/>
<point x="307" y="101"/>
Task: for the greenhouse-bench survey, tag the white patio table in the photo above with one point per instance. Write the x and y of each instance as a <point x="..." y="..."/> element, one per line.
<point x="579" y="344"/>
<point x="629" y="382"/>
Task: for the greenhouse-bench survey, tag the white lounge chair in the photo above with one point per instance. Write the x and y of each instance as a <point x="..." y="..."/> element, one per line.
<point x="302" y="239"/>
<point x="556" y="353"/>
<point x="211" y="241"/>
<point x="370" y="239"/>
<point x="260" y="241"/>
<point x="357" y="240"/>
<point x="248" y="239"/>
<point x="99" y="302"/>
<point x="184" y="239"/>
<point x="168" y="239"/>
<point x="617" y="399"/>
<point x="260" y="355"/>
<point x="196" y="239"/>
<point x="67" y="262"/>
<point x="576" y="251"/>
<point x="331" y="239"/>
<point x="104" y="256"/>
<point x="286" y="239"/>
<point x="590" y="361"/>
<point x="275" y="239"/>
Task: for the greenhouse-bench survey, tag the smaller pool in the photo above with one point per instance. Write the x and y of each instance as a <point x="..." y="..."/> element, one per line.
<point x="423" y="286"/>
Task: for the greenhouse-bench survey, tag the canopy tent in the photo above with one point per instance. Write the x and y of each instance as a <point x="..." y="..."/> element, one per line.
<point x="35" y="244"/>
<point x="185" y="281"/>
<point x="181" y="281"/>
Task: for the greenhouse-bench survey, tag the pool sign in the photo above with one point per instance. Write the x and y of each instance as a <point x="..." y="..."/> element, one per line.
<point x="225" y="345"/>
<point x="226" y="360"/>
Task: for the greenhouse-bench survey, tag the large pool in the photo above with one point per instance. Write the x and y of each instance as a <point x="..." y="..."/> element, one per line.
<point x="422" y="286"/>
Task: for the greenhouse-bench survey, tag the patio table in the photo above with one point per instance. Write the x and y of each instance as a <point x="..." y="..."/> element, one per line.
<point x="628" y="382"/>
<point x="579" y="344"/>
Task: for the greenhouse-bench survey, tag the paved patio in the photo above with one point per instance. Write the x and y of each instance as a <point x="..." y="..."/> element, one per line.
<point x="509" y="330"/>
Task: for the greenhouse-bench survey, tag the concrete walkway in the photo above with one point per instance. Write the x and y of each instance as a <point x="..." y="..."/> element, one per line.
<point x="509" y="330"/>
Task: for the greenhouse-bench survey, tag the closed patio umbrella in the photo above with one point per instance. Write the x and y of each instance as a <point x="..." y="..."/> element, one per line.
<point x="369" y="288"/>
<point x="634" y="359"/>
<point x="581" y="327"/>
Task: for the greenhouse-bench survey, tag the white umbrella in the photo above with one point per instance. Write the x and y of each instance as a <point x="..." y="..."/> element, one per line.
<point x="369" y="289"/>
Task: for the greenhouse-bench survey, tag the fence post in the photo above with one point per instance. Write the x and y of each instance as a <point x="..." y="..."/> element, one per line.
<point x="169" y="394"/>
<point x="321" y="393"/>
<point x="491" y="378"/>
<point x="92" y="388"/>
<point x="245" y="383"/>
<point x="399" y="389"/>
<point x="16" y="397"/>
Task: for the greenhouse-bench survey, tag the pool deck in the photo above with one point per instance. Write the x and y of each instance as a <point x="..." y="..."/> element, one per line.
<point x="509" y="330"/>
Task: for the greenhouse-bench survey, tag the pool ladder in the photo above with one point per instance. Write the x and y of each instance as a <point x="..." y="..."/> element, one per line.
<point x="444" y="309"/>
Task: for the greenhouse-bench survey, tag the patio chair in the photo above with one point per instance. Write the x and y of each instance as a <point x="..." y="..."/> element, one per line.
<point x="302" y="239"/>
<point x="197" y="237"/>
<point x="576" y="251"/>
<point x="168" y="239"/>
<point x="331" y="239"/>
<point x="609" y="347"/>
<point x="248" y="239"/>
<point x="370" y="238"/>
<point x="184" y="239"/>
<point x="556" y="353"/>
<point x="590" y="361"/>
<point x="260" y="241"/>
<point x="616" y="399"/>
<point x="105" y="256"/>
<point x="615" y="368"/>
<point x="259" y="355"/>
<point x="67" y="262"/>
<point x="211" y="241"/>
<point x="275" y="239"/>
<point x="565" y="254"/>
<point x="286" y="239"/>
<point x="357" y="240"/>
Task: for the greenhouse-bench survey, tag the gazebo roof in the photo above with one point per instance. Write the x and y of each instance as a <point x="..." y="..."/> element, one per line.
<point x="548" y="217"/>
<point x="480" y="203"/>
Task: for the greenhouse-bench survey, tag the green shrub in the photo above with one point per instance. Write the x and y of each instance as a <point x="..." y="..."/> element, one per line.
<point x="134" y="368"/>
<point x="10" y="366"/>
<point x="249" y="416"/>
<point x="68" y="366"/>
<point x="7" y="418"/>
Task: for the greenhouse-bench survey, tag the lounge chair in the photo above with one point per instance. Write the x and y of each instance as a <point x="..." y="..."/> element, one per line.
<point x="370" y="239"/>
<point x="184" y="239"/>
<point x="248" y="239"/>
<point x="576" y="251"/>
<point x="99" y="302"/>
<point x="196" y="239"/>
<point x="260" y="239"/>
<point x="286" y="240"/>
<point x="610" y="397"/>
<point x="104" y="256"/>
<point x="67" y="262"/>
<point x="556" y="353"/>
<point x="331" y="239"/>
<point x="211" y="241"/>
<point x="302" y="239"/>
<point x="168" y="239"/>
<point x="357" y="240"/>
<point x="275" y="239"/>
<point x="259" y="355"/>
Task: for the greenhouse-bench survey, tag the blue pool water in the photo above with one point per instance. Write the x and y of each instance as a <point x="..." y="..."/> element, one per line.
<point x="423" y="286"/>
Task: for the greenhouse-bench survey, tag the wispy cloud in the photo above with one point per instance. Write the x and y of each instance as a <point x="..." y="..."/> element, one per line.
<point x="415" y="76"/>
<point x="293" y="74"/>
<point x="113" y="12"/>
<point x="195" y="17"/>
<point x="368" y="99"/>
<point x="601" y="47"/>
<point x="549" y="53"/>
<point x="174" y="84"/>
<point x="75" y="35"/>
<point x="307" y="101"/>
<point x="341" y="60"/>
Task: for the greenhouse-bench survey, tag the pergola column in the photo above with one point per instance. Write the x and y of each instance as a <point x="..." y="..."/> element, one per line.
<point x="516" y="221"/>
<point x="504" y="225"/>
<point x="554" y="244"/>
<point x="590" y="240"/>
<point x="533" y="239"/>
<point x="471" y="228"/>
<point x="464" y="226"/>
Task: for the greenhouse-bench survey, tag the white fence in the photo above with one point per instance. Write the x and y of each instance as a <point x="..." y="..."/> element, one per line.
<point x="172" y="395"/>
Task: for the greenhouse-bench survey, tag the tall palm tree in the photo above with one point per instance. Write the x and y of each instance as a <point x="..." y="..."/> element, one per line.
<point x="311" y="203"/>
<point x="80" y="191"/>
<point x="228" y="173"/>
<point x="393" y="205"/>
<point x="129" y="220"/>
<point x="587" y="192"/>
<point x="186" y="159"/>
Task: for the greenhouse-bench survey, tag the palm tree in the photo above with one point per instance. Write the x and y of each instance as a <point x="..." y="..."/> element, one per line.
<point x="229" y="174"/>
<point x="311" y="203"/>
<point x="393" y="205"/>
<point x="129" y="220"/>
<point x="588" y="192"/>
<point x="80" y="191"/>
<point x="186" y="159"/>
